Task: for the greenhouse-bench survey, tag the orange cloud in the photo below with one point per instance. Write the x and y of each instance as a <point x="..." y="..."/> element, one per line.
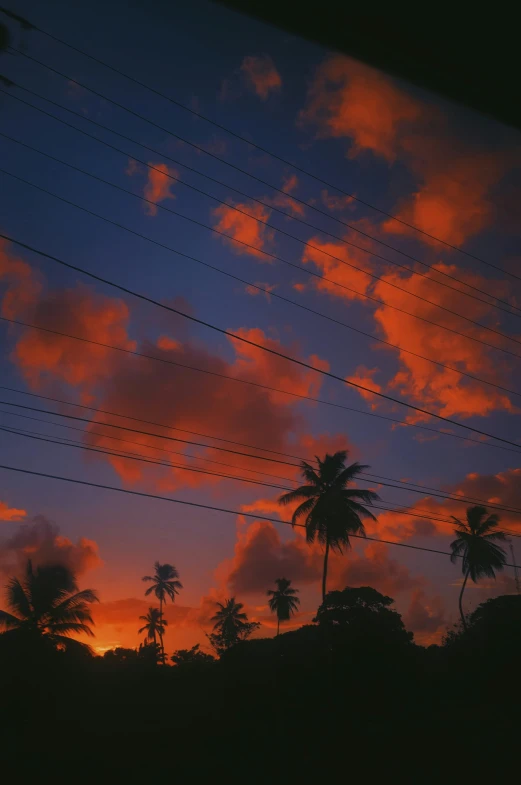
<point x="334" y="202"/>
<point x="284" y="200"/>
<point x="441" y="390"/>
<point x="10" y="513"/>
<point x="245" y="228"/>
<point x="254" y="291"/>
<point x="453" y="202"/>
<point x="452" y="199"/>
<point x="364" y="376"/>
<point x="261" y="556"/>
<point x="427" y="618"/>
<point x="349" y="99"/>
<point x="158" y="184"/>
<point x="40" y="540"/>
<point x="332" y="260"/>
<point x="22" y="283"/>
<point x="44" y="357"/>
<point x="261" y="75"/>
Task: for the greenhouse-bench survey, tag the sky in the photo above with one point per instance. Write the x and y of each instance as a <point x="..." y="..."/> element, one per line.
<point x="423" y="304"/>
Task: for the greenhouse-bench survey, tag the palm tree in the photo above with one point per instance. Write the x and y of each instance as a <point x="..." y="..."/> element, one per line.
<point x="231" y="625"/>
<point x="166" y="583"/>
<point x="154" y="625"/>
<point x="475" y="545"/>
<point x="331" y="511"/>
<point x="49" y="606"/>
<point x="283" y="601"/>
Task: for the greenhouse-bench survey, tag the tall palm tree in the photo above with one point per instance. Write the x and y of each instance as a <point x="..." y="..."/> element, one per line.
<point x="475" y="544"/>
<point x="231" y="624"/>
<point x="165" y="583"/>
<point x="48" y="606"/>
<point x="283" y="601"/>
<point x="154" y="625"/>
<point x="331" y="511"/>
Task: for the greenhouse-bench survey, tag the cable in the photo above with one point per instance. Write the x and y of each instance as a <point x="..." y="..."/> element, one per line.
<point x="208" y="507"/>
<point x="248" y="342"/>
<point x="229" y="237"/>
<point x="266" y="291"/>
<point x="285" y="261"/>
<point x="259" y="201"/>
<point x="89" y="432"/>
<point x="273" y="155"/>
<point x="416" y="513"/>
<point x="420" y="489"/>
<point x="244" y="381"/>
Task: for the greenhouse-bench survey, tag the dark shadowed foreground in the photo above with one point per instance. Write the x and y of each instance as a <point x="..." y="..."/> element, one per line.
<point x="350" y="695"/>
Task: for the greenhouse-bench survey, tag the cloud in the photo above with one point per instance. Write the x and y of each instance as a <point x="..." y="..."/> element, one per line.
<point x="426" y="618"/>
<point x="349" y="99"/>
<point x="455" y="176"/>
<point x="374" y="568"/>
<point x="261" y="75"/>
<point x="445" y="392"/>
<point x="335" y="202"/>
<point x="158" y="184"/>
<point x="245" y="228"/>
<point x="364" y="376"/>
<point x="254" y="291"/>
<point x="284" y="200"/>
<point x="22" y="284"/>
<point x="261" y="557"/>
<point x="10" y="513"/>
<point x="40" y="540"/>
<point x="44" y="358"/>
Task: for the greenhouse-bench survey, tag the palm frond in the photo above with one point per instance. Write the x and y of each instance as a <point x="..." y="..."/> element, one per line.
<point x="18" y="599"/>
<point x="297" y="495"/>
<point x="9" y="621"/>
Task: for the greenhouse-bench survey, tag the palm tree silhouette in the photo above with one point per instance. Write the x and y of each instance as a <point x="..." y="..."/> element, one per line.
<point x="331" y="511"/>
<point x="166" y="583"/>
<point x="154" y="625"/>
<point x="231" y="624"/>
<point x="48" y="605"/>
<point x="475" y="545"/>
<point x="283" y="601"/>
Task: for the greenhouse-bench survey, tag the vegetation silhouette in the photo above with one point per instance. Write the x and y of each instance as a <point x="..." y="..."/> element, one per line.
<point x="165" y="583"/>
<point x="154" y="626"/>
<point x="283" y="601"/>
<point x="48" y="607"/>
<point x="231" y="625"/>
<point x="329" y="509"/>
<point x="475" y="544"/>
<point x="192" y="658"/>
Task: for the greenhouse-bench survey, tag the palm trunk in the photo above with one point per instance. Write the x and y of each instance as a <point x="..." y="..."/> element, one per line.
<point x="461" y="598"/>
<point x="278" y="625"/>
<point x="161" y="632"/>
<point x="324" y="575"/>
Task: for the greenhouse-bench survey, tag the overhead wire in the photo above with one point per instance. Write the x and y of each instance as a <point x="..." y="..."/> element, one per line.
<point x="266" y="291"/>
<point x="365" y="476"/>
<point x="510" y="310"/>
<point x="281" y="259"/>
<point x="273" y="155"/>
<point x="199" y="505"/>
<point x="248" y="342"/>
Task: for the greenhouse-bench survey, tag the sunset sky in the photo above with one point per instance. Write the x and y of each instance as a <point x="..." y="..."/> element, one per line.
<point x="453" y="174"/>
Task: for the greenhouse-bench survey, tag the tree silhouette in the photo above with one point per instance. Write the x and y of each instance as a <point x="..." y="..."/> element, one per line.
<point x="231" y="625"/>
<point x="283" y="601"/>
<point x="475" y="544"/>
<point x="192" y="658"/>
<point x="48" y="606"/>
<point x="330" y="511"/>
<point x="154" y="625"/>
<point x="166" y="583"/>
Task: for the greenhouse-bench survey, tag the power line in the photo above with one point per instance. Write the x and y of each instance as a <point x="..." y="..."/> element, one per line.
<point x="207" y="507"/>
<point x="248" y="342"/>
<point x="242" y="381"/>
<point x="371" y="478"/>
<point x="272" y="154"/>
<point x="258" y="250"/>
<point x="416" y="513"/>
<point x="261" y="288"/>
<point x="273" y="256"/>
<point x="509" y="310"/>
